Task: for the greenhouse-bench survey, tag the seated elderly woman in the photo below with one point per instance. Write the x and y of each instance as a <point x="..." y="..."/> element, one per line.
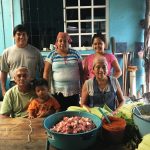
<point x="102" y="89"/>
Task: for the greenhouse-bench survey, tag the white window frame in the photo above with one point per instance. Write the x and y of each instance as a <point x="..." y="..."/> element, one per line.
<point x="91" y="20"/>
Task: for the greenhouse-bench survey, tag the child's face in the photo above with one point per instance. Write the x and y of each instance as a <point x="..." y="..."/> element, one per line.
<point x="41" y="91"/>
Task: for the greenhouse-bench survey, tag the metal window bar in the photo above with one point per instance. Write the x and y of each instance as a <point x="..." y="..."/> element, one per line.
<point x="92" y="19"/>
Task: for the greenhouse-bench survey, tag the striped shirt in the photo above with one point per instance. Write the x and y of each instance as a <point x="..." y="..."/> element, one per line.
<point x="65" y="77"/>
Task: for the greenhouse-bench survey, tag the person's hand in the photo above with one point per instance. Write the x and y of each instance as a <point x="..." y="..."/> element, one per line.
<point x="31" y="117"/>
<point x="41" y="114"/>
<point x="115" y="112"/>
<point x="4" y="116"/>
<point x="45" y="112"/>
<point x="86" y="108"/>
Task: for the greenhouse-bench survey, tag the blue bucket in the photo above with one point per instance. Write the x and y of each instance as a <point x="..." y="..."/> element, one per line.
<point x="77" y="141"/>
<point x="143" y="124"/>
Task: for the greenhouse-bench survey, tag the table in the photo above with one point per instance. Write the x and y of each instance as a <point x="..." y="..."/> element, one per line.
<point x="22" y="134"/>
<point x="25" y="134"/>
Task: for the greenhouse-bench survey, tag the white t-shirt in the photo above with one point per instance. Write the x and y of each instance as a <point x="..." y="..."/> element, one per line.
<point x="89" y="84"/>
<point x="14" y="57"/>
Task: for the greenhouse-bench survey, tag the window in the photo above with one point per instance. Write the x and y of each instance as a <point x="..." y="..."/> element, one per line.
<point x="43" y="25"/>
<point x="84" y="18"/>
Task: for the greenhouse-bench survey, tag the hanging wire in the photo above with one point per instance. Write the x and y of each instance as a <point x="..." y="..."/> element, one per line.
<point x="37" y="8"/>
<point x="31" y="34"/>
<point x="30" y="126"/>
<point x="22" y="11"/>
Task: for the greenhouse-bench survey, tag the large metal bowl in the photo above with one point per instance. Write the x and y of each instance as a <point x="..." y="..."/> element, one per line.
<point x="143" y="124"/>
<point x="77" y="141"/>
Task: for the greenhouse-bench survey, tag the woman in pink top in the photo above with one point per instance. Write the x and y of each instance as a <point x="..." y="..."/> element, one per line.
<point x="98" y="44"/>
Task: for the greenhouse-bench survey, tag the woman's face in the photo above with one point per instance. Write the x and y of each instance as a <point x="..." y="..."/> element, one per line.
<point x="100" y="70"/>
<point x="98" y="45"/>
<point x="62" y="43"/>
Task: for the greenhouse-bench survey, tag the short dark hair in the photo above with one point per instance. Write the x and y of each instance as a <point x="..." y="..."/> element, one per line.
<point x="41" y="82"/>
<point x="20" y="28"/>
<point x="100" y="36"/>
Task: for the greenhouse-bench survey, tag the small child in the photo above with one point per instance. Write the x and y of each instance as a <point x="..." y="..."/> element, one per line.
<point x="44" y="104"/>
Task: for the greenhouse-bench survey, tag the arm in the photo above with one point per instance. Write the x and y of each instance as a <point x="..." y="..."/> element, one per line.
<point x="120" y="98"/>
<point x="117" y="70"/>
<point x="84" y="97"/>
<point x="5" y="110"/>
<point x="31" y="109"/>
<point x="41" y="66"/>
<point x="56" y="104"/>
<point x="4" y="116"/>
<point x="30" y="114"/>
<point x="81" y="73"/>
<point x="3" y="82"/>
<point x="45" y="110"/>
<point x="85" y="70"/>
<point x="47" y="72"/>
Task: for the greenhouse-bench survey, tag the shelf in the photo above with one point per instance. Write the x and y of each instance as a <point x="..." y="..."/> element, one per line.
<point x="82" y="52"/>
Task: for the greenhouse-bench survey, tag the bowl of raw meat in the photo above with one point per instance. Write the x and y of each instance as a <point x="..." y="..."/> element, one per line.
<point x="72" y="130"/>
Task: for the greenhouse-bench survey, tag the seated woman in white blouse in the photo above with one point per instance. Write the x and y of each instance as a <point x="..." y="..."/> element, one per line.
<point x="102" y="89"/>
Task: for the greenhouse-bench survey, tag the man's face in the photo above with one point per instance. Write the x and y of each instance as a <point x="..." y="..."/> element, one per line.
<point x="21" y="77"/>
<point x="21" y="39"/>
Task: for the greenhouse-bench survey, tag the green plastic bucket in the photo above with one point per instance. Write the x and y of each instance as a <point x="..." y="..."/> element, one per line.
<point x="77" y="141"/>
<point x="143" y="124"/>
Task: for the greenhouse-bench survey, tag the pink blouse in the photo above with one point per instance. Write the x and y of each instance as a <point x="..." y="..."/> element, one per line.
<point x="89" y="60"/>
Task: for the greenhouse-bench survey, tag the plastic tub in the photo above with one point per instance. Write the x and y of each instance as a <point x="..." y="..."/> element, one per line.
<point x="77" y="141"/>
<point x="113" y="132"/>
<point x="143" y="124"/>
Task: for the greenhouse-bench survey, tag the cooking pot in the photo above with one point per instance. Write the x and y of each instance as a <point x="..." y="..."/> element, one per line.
<point x="145" y="98"/>
<point x="77" y="141"/>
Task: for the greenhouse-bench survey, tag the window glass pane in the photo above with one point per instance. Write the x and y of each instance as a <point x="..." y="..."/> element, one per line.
<point x="99" y="26"/>
<point x="86" y="40"/>
<point x="85" y="14"/>
<point x="72" y="14"/>
<point x="75" y="41"/>
<point x="86" y="27"/>
<point x="72" y="27"/>
<point x="90" y="20"/>
<point x="70" y="3"/>
<point x="99" y="2"/>
<point x="85" y="2"/>
<point x="99" y="13"/>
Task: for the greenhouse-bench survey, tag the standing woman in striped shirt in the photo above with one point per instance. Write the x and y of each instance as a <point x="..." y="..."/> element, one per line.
<point x="63" y="70"/>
